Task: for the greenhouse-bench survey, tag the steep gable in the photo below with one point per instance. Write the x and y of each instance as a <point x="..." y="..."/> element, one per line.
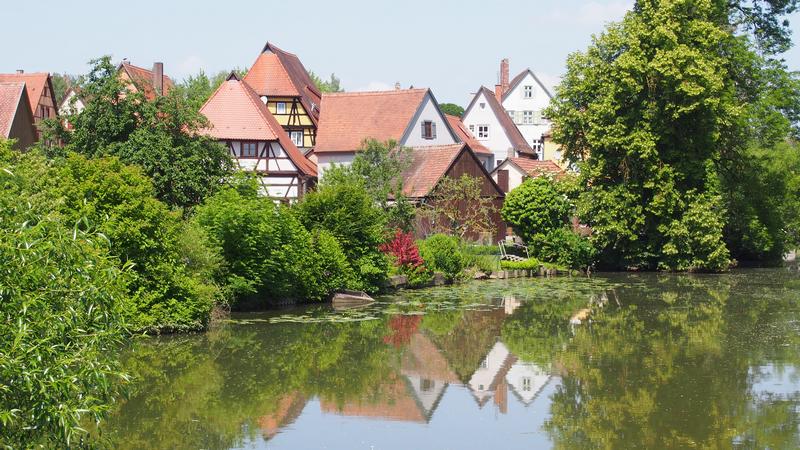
<point x="142" y="79"/>
<point x="517" y="81"/>
<point x="485" y="99"/>
<point x="16" y="119"/>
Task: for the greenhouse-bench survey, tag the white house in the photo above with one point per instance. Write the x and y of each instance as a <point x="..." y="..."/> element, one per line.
<point x="527" y="380"/>
<point x="524" y="98"/>
<point x="410" y="117"/>
<point x="493" y="128"/>
<point x="491" y="371"/>
<point x="513" y="171"/>
<point x="256" y="141"/>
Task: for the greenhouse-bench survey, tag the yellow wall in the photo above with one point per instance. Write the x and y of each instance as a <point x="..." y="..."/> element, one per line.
<point x="283" y="119"/>
<point x="551" y="150"/>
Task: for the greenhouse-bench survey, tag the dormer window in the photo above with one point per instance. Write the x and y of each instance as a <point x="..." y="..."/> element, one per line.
<point x="280" y="108"/>
<point x="527" y="92"/>
<point x="428" y="129"/>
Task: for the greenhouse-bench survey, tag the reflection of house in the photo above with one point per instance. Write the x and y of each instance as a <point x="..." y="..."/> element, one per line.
<point x="527" y="380"/>
<point x="396" y="402"/>
<point x="510" y="304"/>
<point x="489" y="379"/>
<point x="282" y="82"/>
<point x="256" y="140"/>
<point x="16" y="119"/>
<point x="410" y="117"/>
<point x="513" y="171"/>
<point x="429" y="165"/>
<point x="151" y="83"/>
<point x="39" y="89"/>
<point x="287" y="410"/>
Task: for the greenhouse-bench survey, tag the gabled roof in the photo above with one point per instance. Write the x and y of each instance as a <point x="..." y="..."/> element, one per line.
<point x="143" y="79"/>
<point x="518" y="79"/>
<point x="535" y="167"/>
<point x="348" y="118"/>
<point x="277" y="73"/>
<point x="13" y="101"/>
<point x="512" y="132"/>
<point x="35" y="84"/>
<point x="237" y="113"/>
<point x="430" y="164"/>
<point x="466" y="136"/>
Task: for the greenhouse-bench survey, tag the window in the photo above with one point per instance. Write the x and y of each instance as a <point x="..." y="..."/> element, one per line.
<point x="427" y="385"/>
<point x="280" y="108"/>
<point x="483" y="105"/>
<point x="485" y="364"/>
<point x="428" y="129"/>
<point x="483" y="131"/>
<point x="472" y="128"/>
<point x="527" y="117"/>
<point x="526" y="384"/>
<point x="249" y="149"/>
<point x="527" y="92"/>
<point x="297" y="138"/>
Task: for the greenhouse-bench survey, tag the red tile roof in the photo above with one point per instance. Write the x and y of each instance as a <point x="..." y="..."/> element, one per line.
<point x="428" y="166"/>
<point x="348" y="118"/>
<point x="34" y="84"/>
<point x="10" y="96"/>
<point x="512" y="132"/>
<point x="277" y="73"/>
<point x="466" y="136"/>
<point x="535" y="168"/>
<point x="237" y="113"/>
<point x="143" y="79"/>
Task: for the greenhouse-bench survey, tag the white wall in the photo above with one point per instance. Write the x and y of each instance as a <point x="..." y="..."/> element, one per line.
<point x="428" y="111"/>
<point x="497" y="141"/>
<point x="266" y="163"/>
<point x="514" y="175"/>
<point x="516" y="101"/>
<point x="326" y="160"/>
<point x="527" y="379"/>
<point x="491" y="365"/>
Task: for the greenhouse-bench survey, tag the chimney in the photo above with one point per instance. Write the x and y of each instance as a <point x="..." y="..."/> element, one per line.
<point x="158" y="77"/>
<point x="498" y="93"/>
<point x="20" y="71"/>
<point x="504" y="74"/>
<point x="397" y="86"/>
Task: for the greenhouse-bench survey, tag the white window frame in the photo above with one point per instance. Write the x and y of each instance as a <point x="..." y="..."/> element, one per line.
<point x="527" y="117"/>
<point x="527" y="91"/>
<point x="292" y="136"/>
<point x="483" y="131"/>
<point x="280" y="108"/>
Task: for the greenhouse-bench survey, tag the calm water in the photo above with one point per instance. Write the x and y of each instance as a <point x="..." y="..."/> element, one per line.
<point x="668" y="361"/>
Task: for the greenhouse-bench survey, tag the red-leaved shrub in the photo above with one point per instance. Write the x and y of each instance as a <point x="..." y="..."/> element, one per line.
<point x="404" y="250"/>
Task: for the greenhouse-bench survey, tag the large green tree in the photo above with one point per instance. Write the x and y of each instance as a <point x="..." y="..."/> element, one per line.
<point x="658" y="112"/>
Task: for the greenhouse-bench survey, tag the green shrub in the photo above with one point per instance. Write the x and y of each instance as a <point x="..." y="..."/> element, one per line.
<point x="61" y="320"/>
<point x="563" y="247"/>
<point x="528" y="264"/>
<point x="694" y="241"/>
<point x="443" y="253"/>
<point x="537" y="206"/>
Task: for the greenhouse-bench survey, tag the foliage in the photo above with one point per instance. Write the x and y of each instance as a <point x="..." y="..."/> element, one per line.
<point x="443" y="253"/>
<point x="403" y="249"/>
<point x="452" y="109"/>
<point x="61" y="320"/>
<point x="332" y="85"/>
<point x="485" y="258"/>
<point x="695" y="240"/>
<point x="61" y="83"/>
<point x="269" y="255"/>
<point x="458" y="206"/>
<point x="659" y="110"/>
<point x="528" y="264"/>
<point x="342" y="206"/>
<point x="536" y="207"/>
<point x="564" y="247"/>
<point x="159" y="135"/>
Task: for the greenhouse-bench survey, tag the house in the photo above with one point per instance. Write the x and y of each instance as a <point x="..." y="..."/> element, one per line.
<point x="39" y="88"/>
<point x="527" y="380"/>
<point x="513" y="171"/>
<point x="151" y="83"/>
<point x="488" y="381"/>
<point x="429" y="165"/>
<point x="282" y="82"/>
<point x="491" y="125"/>
<point x="410" y="117"/>
<point x="484" y="154"/>
<point x="256" y="141"/>
<point x="16" y="118"/>
<point x="524" y="98"/>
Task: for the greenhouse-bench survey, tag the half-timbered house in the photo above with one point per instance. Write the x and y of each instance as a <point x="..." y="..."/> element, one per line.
<point x="39" y="87"/>
<point x="256" y="141"/>
<point x="16" y="118"/>
<point x="284" y="85"/>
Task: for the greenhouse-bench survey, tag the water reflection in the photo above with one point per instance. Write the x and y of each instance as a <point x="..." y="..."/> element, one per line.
<point x="663" y="362"/>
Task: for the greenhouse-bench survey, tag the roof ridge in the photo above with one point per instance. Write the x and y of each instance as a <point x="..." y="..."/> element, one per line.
<point x="366" y="93"/>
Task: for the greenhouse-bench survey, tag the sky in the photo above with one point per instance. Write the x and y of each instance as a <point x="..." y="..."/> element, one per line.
<point x="451" y="46"/>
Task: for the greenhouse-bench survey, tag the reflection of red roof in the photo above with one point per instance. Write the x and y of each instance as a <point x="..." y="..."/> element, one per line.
<point x="512" y="132"/>
<point x="466" y="136"/>
<point x="34" y="85"/>
<point x="395" y="403"/>
<point x="535" y="168"/>
<point x="236" y="113"/>
<point x="143" y="79"/>
<point x="277" y="73"/>
<point x="423" y="359"/>
<point x="349" y="118"/>
<point x="11" y="95"/>
<point x="287" y="410"/>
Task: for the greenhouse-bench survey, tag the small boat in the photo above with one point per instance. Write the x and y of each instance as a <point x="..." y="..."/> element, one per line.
<point x="350" y="299"/>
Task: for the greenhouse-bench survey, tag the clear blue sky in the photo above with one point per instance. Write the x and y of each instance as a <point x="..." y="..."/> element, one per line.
<point x="450" y="46"/>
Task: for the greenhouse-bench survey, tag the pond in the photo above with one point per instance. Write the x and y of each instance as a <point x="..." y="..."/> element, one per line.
<point x="665" y="361"/>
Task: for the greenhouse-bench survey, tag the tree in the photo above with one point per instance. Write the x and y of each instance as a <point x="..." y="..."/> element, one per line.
<point x="452" y="109"/>
<point x="457" y="206"/>
<point x="536" y="207"/>
<point x="61" y="83"/>
<point x="332" y="85"/>
<point x="159" y="135"/>
<point x="655" y="112"/>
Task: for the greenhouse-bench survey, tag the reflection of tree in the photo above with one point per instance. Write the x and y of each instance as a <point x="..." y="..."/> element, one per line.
<point x="402" y="327"/>
<point x="668" y="371"/>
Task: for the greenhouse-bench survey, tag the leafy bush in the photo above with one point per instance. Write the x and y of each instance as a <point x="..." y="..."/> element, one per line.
<point x="528" y="264"/>
<point x="563" y="247"/>
<point x="536" y="206"/>
<point x="61" y="319"/>
<point x="406" y="257"/>
<point x="694" y="241"/>
<point x="443" y="253"/>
